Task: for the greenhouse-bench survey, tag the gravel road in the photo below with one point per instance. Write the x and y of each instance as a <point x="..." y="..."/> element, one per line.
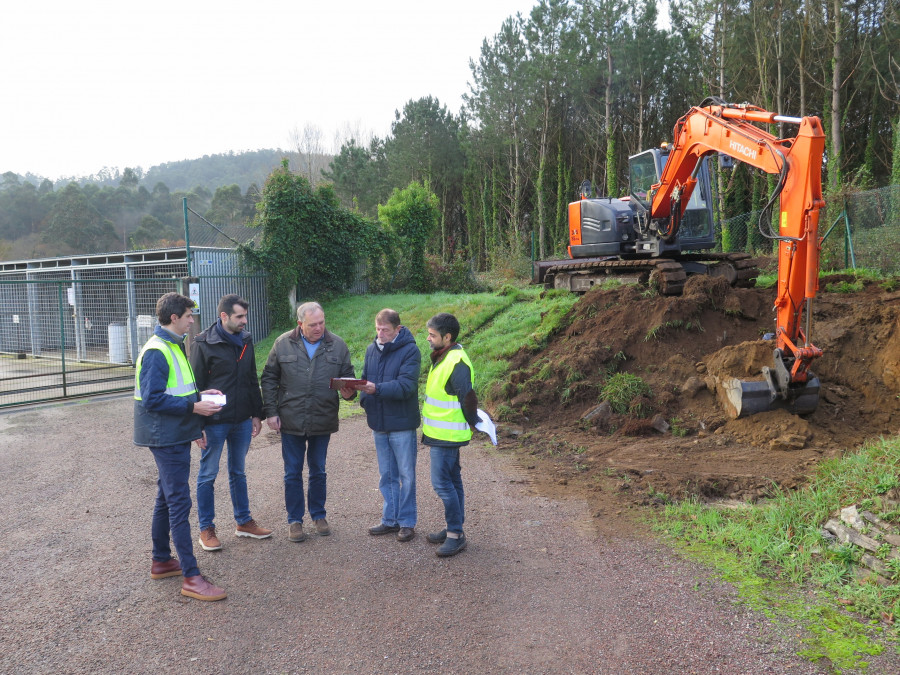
<point x="537" y="590"/>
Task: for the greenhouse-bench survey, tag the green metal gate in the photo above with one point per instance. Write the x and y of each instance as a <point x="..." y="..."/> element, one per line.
<point x="65" y="338"/>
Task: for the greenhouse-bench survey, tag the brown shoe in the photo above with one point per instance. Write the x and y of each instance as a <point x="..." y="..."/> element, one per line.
<point x="322" y="528"/>
<point x="209" y="541"/>
<point x="167" y="568"/>
<point x="296" y="533"/>
<point x="252" y="529"/>
<point x="405" y="534"/>
<point x="200" y="589"/>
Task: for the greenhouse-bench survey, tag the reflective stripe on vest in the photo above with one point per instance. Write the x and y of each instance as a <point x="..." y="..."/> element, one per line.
<point x="442" y="415"/>
<point x="181" y="377"/>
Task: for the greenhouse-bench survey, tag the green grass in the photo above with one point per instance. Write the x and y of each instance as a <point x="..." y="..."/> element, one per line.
<point x="621" y="389"/>
<point x="494" y="326"/>
<point x="860" y="274"/>
<point x="762" y="546"/>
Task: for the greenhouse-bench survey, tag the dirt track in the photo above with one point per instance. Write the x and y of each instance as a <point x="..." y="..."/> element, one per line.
<point x="537" y="591"/>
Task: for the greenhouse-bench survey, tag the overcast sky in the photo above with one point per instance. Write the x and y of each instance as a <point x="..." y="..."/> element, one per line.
<point x="99" y="83"/>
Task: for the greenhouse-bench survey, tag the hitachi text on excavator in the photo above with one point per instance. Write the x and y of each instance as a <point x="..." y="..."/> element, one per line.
<point x="664" y="231"/>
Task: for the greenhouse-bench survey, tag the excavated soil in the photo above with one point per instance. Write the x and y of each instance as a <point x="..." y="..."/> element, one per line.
<point x="677" y="345"/>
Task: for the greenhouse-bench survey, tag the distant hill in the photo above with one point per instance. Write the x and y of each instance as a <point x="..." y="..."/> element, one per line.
<point x="210" y="171"/>
<point x="213" y="171"/>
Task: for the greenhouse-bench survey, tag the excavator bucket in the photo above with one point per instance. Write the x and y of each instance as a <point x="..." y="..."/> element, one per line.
<point x="744" y="398"/>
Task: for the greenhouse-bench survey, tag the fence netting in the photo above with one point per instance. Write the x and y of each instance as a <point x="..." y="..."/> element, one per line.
<point x="863" y="231"/>
<point x="61" y="337"/>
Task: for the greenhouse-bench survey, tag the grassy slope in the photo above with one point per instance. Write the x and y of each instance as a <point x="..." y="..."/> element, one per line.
<point x="493" y="325"/>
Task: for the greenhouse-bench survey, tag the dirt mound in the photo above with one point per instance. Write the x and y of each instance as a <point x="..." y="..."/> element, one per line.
<point x="684" y="443"/>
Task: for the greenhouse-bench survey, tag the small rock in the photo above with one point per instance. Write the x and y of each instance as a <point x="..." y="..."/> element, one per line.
<point x="692" y="386"/>
<point x="599" y="413"/>
<point x="829" y="396"/>
<point x="659" y="423"/>
<point x="850" y="515"/>
<point x="700" y="367"/>
<point x="788" y="442"/>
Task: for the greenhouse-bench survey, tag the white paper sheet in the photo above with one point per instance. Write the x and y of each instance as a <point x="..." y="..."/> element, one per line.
<point x="487" y="425"/>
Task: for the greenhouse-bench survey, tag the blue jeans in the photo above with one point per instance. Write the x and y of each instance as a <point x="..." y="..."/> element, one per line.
<point x="293" y="449"/>
<point x="446" y="479"/>
<point x="396" y="451"/>
<point x="172" y="510"/>
<point x="238" y="438"/>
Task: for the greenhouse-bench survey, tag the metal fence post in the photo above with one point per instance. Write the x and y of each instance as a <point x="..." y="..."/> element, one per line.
<point x="62" y="335"/>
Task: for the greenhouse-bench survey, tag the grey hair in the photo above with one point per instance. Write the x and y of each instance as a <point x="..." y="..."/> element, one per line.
<point x="306" y="308"/>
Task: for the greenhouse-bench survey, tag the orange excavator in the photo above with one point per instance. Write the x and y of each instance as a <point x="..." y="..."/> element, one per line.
<point x="661" y="222"/>
<point x="717" y="127"/>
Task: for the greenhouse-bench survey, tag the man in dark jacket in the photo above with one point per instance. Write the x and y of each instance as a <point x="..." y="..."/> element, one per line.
<point x="298" y="401"/>
<point x="390" y="398"/>
<point x="167" y="411"/>
<point x="222" y="357"/>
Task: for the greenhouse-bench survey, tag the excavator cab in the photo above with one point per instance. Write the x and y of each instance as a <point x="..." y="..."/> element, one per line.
<point x="696" y="232"/>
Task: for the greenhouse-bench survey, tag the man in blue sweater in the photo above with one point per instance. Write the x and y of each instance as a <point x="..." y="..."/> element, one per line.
<point x="167" y="412"/>
<point x="390" y="398"/>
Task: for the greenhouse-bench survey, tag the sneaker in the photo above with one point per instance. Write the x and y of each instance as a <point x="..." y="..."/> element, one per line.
<point x="322" y="528"/>
<point x="405" y="534"/>
<point x="252" y="529"/>
<point x="381" y="528"/>
<point x="436" y="537"/>
<point x="452" y="546"/>
<point x="296" y="533"/>
<point x="209" y="541"/>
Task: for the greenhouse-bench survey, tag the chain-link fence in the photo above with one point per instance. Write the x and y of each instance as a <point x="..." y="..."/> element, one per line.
<point x="74" y="327"/>
<point x="61" y="338"/>
<point x="863" y="231"/>
<point x="866" y="232"/>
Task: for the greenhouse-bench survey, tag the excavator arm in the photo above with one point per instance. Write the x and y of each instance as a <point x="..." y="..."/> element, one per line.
<point x="728" y="129"/>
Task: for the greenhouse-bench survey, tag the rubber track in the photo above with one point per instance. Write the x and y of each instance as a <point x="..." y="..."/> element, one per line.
<point x="667" y="274"/>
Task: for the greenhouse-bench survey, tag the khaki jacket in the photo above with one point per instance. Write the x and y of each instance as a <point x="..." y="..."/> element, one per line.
<point x="297" y="389"/>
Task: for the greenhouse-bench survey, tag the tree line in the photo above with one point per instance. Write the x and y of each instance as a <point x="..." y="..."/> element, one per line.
<point x="569" y="92"/>
<point x="40" y="221"/>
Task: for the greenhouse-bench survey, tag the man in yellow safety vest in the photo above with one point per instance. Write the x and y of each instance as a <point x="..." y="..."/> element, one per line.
<point x="448" y="416"/>
<point x="167" y="411"/>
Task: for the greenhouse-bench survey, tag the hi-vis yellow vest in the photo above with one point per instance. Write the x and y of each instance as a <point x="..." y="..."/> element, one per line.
<point x="181" y="377"/>
<point x="442" y="415"/>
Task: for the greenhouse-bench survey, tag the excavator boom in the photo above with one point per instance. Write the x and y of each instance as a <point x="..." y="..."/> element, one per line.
<point x="797" y="161"/>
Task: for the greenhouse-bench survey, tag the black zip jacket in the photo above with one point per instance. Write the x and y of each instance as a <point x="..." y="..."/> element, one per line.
<point x="218" y="364"/>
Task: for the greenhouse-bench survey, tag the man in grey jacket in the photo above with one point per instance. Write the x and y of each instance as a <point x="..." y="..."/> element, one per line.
<point x="298" y="402"/>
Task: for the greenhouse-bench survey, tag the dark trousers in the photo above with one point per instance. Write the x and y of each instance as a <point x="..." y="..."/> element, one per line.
<point x="172" y="510"/>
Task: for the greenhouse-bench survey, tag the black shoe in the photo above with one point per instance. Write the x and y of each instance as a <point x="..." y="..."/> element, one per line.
<point x="436" y="537"/>
<point x="452" y="546"/>
<point x="405" y="534"/>
<point x="381" y="528"/>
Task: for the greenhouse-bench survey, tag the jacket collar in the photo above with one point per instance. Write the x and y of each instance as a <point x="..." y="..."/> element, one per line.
<point x="404" y="337"/>
<point x="168" y="336"/>
<point x="211" y="336"/>
<point x="295" y="336"/>
<point x="439" y="354"/>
